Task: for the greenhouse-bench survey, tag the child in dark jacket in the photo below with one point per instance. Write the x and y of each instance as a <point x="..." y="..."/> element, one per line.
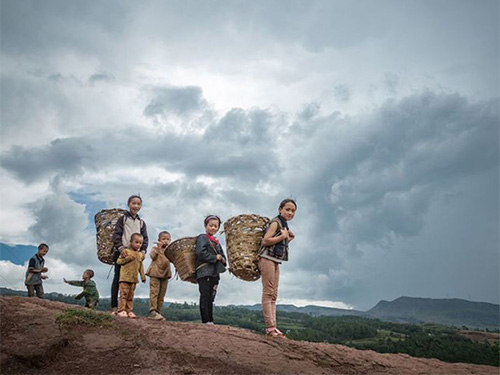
<point x="89" y="289"/>
<point x="210" y="262"/>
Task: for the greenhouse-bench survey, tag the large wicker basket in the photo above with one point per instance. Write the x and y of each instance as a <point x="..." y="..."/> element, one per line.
<point x="182" y="253"/>
<point x="243" y="239"/>
<point x="105" y="222"/>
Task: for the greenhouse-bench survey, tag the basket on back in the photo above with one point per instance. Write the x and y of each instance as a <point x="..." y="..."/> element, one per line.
<point x="182" y="253"/>
<point x="105" y="222"/>
<point x="243" y="239"/>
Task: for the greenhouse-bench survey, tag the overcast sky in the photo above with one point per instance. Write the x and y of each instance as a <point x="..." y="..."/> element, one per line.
<point x="381" y="118"/>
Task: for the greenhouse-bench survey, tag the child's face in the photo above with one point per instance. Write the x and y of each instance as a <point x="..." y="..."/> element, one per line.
<point x="288" y="211"/>
<point x="136" y="243"/>
<point x="135" y="205"/>
<point x="212" y="226"/>
<point x="43" y="251"/>
<point x="85" y="275"/>
<point x="164" y="239"/>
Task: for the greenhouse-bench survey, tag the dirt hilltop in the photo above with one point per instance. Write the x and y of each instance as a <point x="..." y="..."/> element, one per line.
<point x="33" y="342"/>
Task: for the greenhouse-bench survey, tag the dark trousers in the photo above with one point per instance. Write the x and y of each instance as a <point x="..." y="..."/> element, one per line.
<point x="38" y="289"/>
<point x="115" y="286"/>
<point x="208" y="289"/>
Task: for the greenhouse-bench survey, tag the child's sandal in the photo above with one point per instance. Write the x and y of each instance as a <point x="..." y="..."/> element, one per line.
<point x="131" y="315"/>
<point x="279" y="332"/>
<point x="272" y="332"/>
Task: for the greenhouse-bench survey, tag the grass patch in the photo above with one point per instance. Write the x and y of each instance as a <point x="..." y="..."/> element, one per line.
<point x="86" y="317"/>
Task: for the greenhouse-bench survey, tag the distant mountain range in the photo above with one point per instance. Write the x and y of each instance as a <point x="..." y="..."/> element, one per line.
<point x="450" y="312"/>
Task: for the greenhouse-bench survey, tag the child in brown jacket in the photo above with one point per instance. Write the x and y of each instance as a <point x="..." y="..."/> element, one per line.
<point x="159" y="272"/>
<point x="131" y="264"/>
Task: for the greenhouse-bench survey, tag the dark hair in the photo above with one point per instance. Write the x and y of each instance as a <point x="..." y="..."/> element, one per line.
<point x="43" y="246"/>
<point x="287" y="200"/>
<point x="90" y="272"/>
<point x="135" y="235"/>
<point x="211" y="217"/>
<point x="163" y="232"/>
<point x="132" y="197"/>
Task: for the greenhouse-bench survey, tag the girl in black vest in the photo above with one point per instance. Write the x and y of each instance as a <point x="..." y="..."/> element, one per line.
<point x="210" y="262"/>
<point x="274" y="251"/>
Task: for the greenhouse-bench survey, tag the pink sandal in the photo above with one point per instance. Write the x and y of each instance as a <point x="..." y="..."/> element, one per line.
<point x="274" y="332"/>
<point x="279" y="332"/>
<point x="131" y="315"/>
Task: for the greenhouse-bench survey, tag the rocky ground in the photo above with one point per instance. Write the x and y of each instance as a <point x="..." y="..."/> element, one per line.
<point x="33" y="342"/>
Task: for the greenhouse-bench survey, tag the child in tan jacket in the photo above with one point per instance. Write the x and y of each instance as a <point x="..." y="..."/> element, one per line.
<point x="159" y="272"/>
<point x="131" y="265"/>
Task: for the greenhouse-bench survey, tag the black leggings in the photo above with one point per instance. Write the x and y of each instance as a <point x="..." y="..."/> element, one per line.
<point x="208" y="289"/>
<point x="115" y="286"/>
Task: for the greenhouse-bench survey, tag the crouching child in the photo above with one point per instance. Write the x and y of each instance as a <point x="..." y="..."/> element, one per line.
<point x="89" y="289"/>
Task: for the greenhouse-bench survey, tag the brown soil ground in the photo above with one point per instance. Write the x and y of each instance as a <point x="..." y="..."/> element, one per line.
<point x="32" y="342"/>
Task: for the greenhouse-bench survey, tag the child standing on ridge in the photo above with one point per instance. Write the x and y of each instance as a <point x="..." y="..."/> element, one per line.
<point x="210" y="262"/>
<point x="36" y="266"/>
<point x="125" y="226"/>
<point x="89" y="289"/>
<point x="274" y="250"/>
<point x="130" y="261"/>
<point x="159" y="272"/>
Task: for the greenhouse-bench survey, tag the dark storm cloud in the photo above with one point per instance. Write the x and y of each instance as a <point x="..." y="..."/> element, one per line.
<point x="101" y="77"/>
<point x="376" y="179"/>
<point x="237" y="145"/>
<point x="62" y="156"/>
<point x="176" y="100"/>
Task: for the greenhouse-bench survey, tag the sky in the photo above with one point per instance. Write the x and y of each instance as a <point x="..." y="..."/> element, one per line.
<point x="381" y="118"/>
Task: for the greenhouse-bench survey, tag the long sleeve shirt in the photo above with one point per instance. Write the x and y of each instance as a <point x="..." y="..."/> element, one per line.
<point x="125" y="227"/>
<point x="131" y="266"/>
<point x="89" y="289"/>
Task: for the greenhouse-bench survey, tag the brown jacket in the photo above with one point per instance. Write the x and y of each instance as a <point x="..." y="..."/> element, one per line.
<point x="131" y="265"/>
<point x="160" y="265"/>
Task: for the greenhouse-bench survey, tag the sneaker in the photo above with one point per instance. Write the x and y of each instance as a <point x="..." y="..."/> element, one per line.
<point x="131" y="315"/>
<point x="122" y="314"/>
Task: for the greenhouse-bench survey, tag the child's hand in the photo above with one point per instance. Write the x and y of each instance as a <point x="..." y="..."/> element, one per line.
<point x="221" y="258"/>
<point x="123" y="254"/>
<point x="291" y="234"/>
<point x="66" y="281"/>
<point x="285" y="234"/>
<point x="44" y="277"/>
<point x="45" y="269"/>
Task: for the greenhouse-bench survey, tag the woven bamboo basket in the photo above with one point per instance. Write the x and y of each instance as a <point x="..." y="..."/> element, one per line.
<point x="182" y="253"/>
<point x="105" y="222"/>
<point x="243" y="239"/>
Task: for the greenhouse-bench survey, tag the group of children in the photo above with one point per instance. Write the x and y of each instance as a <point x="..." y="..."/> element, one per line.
<point x="130" y="242"/>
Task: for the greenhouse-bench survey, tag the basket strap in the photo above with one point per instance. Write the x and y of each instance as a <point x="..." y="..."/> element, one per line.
<point x="109" y="273"/>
